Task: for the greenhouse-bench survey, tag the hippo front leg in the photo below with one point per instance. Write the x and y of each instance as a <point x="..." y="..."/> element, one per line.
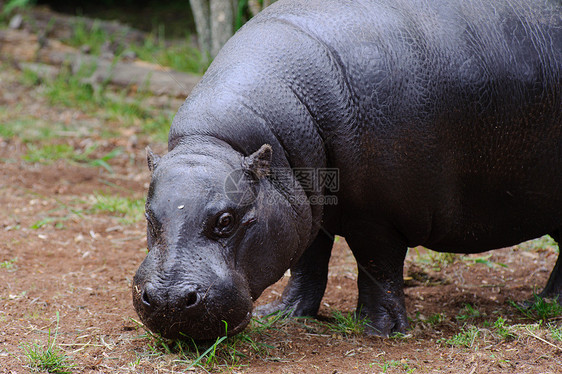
<point x="304" y="292"/>
<point x="380" y="255"/>
<point x="553" y="287"/>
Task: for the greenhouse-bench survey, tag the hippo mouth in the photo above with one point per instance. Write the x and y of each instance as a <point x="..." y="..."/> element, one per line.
<point x="241" y="326"/>
<point x="186" y="329"/>
<point x="198" y="329"/>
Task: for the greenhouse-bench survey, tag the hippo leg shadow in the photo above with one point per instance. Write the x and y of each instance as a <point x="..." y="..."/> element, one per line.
<point x="553" y="287"/>
<point x="303" y="294"/>
<point x="380" y="254"/>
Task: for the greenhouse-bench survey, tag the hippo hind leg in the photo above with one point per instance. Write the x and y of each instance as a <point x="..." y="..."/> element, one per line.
<point x="553" y="287"/>
<point x="304" y="292"/>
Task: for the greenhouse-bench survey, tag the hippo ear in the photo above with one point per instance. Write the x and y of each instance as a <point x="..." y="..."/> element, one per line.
<point x="259" y="162"/>
<point x="152" y="159"/>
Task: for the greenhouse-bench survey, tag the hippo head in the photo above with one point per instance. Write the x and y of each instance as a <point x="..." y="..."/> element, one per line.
<point x="219" y="232"/>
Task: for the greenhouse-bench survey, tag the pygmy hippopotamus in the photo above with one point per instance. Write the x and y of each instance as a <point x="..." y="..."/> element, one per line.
<point x="393" y="123"/>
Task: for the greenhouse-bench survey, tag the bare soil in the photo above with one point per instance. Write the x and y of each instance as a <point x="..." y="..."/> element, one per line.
<point x="80" y="265"/>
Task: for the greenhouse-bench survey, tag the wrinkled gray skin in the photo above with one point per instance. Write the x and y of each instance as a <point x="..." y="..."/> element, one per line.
<point x="443" y="118"/>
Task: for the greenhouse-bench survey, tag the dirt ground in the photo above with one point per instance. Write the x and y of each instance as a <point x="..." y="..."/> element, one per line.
<point x="60" y="257"/>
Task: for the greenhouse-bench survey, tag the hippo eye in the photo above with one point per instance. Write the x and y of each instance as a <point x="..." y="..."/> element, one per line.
<point x="224" y="224"/>
<point x="225" y="220"/>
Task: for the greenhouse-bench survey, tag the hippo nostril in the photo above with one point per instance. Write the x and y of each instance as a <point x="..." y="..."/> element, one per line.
<point x="146" y="295"/>
<point x="192" y="299"/>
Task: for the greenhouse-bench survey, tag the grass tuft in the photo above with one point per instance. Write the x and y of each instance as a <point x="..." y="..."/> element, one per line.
<point x="348" y="324"/>
<point x="468" y="312"/>
<point x="94" y="37"/>
<point x="435" y="319"/>
<point x="8" y="264"/>
<point x="502" y="330"/>
<point x="49" y="358"/>
<point x="540" y="309"/>
<point x="130" y="210"/>
<point x="465" y="338"/>
<point x="386" y="365"/>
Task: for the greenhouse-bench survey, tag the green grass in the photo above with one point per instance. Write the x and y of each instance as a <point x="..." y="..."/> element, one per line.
<point x="120" y="107"/>
<point x="347" y="324"/>
<point x="490" y="334"/>
<point x="555" y="332"/>
<point x="386" y="365"/>
<point x="465" y="338"/>
<point x="12" y="5"/>
<point x="468" y="313"/>
<point x="539" y="309"/>
<point x="50" y="152"/>
<point x="94" y="37"/>
<point x="435" y="319"/>
<point x="50" y="357"/>
<point x="55" y="218"/>
<point x="30" y="129"/>
<point x="180" y="55"/>
<point x="541" y="244"/>
<point x="440" y="260"/>
<point x="502" y="330"/>
<point x="8" y="264"/>
<point x="436" y="260"/>
<point x="69" y="90"/>
<point x="56" y="221"/>
<point x="129" y="209"/>
<point x="224" y="351"/>
<point x="483" y="260"/>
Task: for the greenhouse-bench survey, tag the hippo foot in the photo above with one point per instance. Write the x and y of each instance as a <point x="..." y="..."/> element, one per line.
<point x="382" y="322"/>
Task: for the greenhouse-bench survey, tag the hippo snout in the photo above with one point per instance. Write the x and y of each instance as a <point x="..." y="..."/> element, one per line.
<point x="199" y="312"/>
